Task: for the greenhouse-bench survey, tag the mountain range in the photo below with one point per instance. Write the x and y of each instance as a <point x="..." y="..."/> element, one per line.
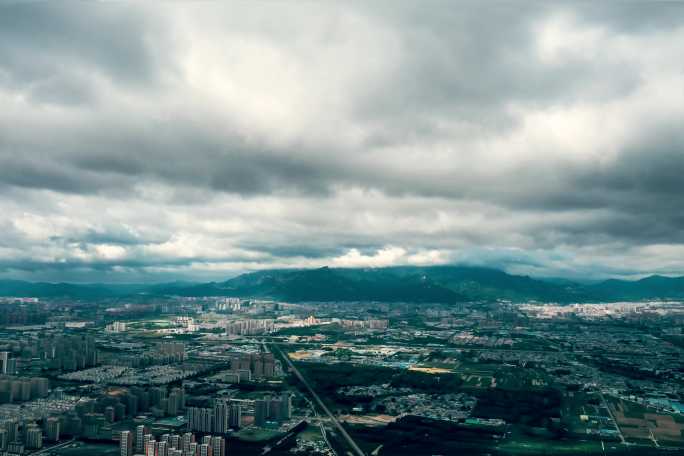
<point x="392" y="284"/>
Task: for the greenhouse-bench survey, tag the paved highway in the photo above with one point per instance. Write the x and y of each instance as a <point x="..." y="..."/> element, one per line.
<point x="356" y="450"/>
<point x="605" y="404"/>
<point x="320" y="424"/>
<point x="54" y="447"/>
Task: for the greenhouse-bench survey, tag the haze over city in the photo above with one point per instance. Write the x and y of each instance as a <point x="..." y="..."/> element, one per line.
<point x="147" y="142"/>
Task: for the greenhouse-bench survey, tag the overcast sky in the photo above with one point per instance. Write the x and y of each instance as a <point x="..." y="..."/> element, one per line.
<point x="148" y="142"/>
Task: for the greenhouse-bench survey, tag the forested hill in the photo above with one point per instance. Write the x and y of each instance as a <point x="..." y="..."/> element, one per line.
<point x="393" y="284"/>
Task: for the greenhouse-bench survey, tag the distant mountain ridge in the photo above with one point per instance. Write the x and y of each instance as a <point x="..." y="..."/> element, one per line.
<point x="651" y="287"/>
<point x="445" y="284"/>
<point x="20" y="288"/>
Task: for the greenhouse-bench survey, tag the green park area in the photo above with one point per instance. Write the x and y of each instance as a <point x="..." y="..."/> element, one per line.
<point x="87" y="449"/>
<point x="254" y="434"/>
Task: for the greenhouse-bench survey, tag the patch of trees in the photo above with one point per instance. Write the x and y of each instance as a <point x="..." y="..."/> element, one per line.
<point x="327" y="378"/>
<point x="627" y="370"/>
<point x="413" y="435"/>
<point x="428" y="383"/>
<point x="530" y="408"/>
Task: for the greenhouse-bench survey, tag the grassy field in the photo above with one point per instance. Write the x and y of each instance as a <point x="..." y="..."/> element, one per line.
<point x="87" y="449"/>
<point x="548" y="447"/>
<point x="312" y="434"/>
<point x="537" y="447"/>
<point x="256" y="434"/>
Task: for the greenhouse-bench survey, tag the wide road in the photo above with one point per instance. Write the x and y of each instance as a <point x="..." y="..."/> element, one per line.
<point x="605" y="404"/>
<point x="320" y="424"/>
<point x="54" y="447"/>
<point x="320" y="403"/>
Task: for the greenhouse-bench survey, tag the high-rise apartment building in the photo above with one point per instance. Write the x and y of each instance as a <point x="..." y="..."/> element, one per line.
<point x="125" y="443"/>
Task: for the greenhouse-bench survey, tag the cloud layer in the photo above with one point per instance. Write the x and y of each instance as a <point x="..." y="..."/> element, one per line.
<point x="194" y="140"/>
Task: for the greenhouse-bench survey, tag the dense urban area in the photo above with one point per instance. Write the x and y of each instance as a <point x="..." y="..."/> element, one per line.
<point x="212" y="376"/>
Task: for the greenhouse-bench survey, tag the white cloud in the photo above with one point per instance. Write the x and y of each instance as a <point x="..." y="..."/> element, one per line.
<point x="387" y="256"/>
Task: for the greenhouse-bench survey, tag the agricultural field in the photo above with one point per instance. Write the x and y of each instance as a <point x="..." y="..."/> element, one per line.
<point x="642" y="424"/>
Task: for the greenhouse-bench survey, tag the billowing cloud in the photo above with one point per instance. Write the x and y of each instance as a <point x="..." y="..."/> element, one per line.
<point x="144" y="142"/>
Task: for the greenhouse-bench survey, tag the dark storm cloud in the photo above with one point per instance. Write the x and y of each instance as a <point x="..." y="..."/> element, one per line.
<point x="114" y="235"/>
<point x="23" y="171"/>
<point x="468" y="63"/>
<point x="318" y="249"/>
<point x="637" y="197"/>
<point x="633" y="17"/>
<point x="39" y="41"/>
<point x="459" y="63"/>
<point x="190" y="158"/>
<point x="294" y="251"/>
<point x="392" y="132"/>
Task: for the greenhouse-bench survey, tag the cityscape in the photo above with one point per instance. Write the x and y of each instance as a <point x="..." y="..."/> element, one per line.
<point x="342" y="228"/>
<point x="181" y="375"/>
